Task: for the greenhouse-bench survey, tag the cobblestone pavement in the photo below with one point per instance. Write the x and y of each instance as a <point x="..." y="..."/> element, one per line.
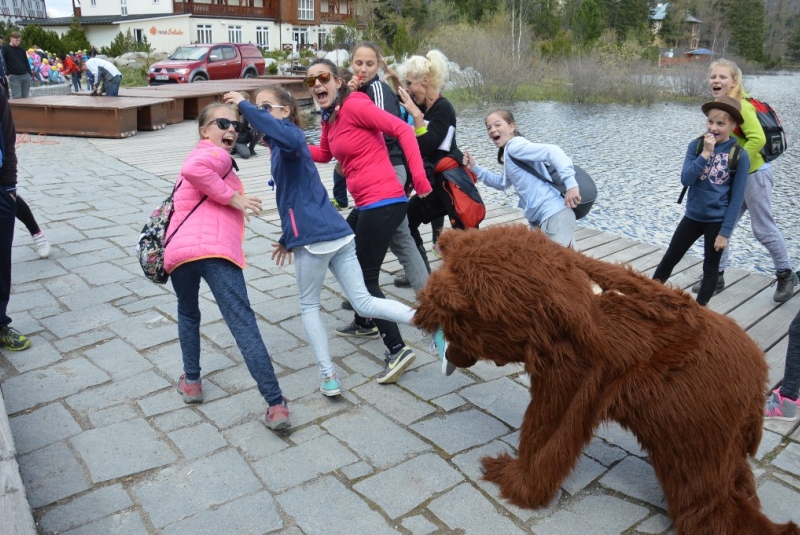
<point x="106" y="445"/>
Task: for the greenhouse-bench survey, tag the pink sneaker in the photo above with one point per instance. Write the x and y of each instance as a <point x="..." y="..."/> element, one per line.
<point x="192" y="393"/>
<point x="277" y="416"/>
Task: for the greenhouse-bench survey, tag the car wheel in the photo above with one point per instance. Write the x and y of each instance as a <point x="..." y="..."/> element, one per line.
<point x="249" y="74"/>
<point x="200" y="78"/>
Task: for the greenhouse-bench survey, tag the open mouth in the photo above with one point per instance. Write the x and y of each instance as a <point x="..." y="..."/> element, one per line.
<point x="716" y="89"/>
<point x="322" y="96"/>
<point x="228" y="141"/>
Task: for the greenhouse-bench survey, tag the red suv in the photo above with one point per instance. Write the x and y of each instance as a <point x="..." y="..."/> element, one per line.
<point x="217" y="61"/>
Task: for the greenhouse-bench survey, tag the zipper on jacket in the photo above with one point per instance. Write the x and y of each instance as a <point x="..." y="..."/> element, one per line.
<point x="294" y="223"/>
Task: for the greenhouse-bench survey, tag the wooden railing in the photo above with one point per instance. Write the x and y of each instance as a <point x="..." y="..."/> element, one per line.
<point x="222" y="10"/>
<point x="335" y="17"/>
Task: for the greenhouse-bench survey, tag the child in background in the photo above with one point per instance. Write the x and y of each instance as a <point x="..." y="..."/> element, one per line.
<point x="715" y="197"/>
<point x="782" y="403"/>
<point x="55" y="74"/>
<point x="247" y="137"/>
<point x="44" y="70"/>
<point x="312" y="229"/>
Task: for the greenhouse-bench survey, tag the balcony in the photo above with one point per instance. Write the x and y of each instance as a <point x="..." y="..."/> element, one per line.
<point x="339" y="18"/>
<point x="224" y="10"/>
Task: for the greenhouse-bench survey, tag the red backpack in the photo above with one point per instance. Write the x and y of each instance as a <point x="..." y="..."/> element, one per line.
<point x="460" y="185"/>
<point x="773" y="130"/>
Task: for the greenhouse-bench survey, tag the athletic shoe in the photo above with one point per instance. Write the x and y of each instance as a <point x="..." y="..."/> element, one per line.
<point x="780" y="408"/>
<point x="277" y="416"/>
<point x="42" y="245"/>
<point x="401" y="281"/>
<point x="436" y="250"/>
<point x="359" y="331"/>
<point x="786" y="281"/>
<point x="339" y="206"/>
<point x="12" y="340"/>
<point x="396" y="364"/>
<point x="346" y="305"/>
<point x="441" y="345"/>
<point x="330" y="387"/>
<point x="718" y="289"/>
<point x="191" y="392"/>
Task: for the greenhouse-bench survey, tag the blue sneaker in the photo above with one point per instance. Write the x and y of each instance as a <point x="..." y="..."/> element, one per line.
<point x="330" y="387"/>
<point x="441" y="345"/>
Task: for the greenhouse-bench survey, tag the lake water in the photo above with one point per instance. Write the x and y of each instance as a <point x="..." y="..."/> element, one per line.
<point x="635" y="155"/>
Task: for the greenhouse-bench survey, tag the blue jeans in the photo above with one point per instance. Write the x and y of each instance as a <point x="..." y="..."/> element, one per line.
<point x="76" y="82"/>
<point x="112" y="87"/>
<point x="311" y="270"/>
<point x="226" y="281"/>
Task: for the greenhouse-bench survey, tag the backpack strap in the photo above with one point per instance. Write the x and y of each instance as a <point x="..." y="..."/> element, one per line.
<point x="532" y="170"/>
<point x="733" y="162"/>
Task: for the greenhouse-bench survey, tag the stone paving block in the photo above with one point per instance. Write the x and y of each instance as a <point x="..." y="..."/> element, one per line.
<point x="635" y="478"/>
<point x="198" y="441"/>
<point x="278" y="309"/>
<point x="24" y="322"/>
<point x="787" y="479"/>
<point x="235" y="409"/>
<point x="40" y="353"/>
<point x="344" y="512"/>
<point x="302" y="463"/>
<point x="427" y="382"/>
<point x="113" y="415"/>
<point x="400" y="489"/>
<point x="304" y="382"/>
<point x="614" y="433"/>
<point x="61" y="234"/>
<point x="167" y="358"/>
<point x="234" y="380"/>
<point x="489" y="371"/>
<point x="364" y="365"/>
<point x="39" y="298"/>
<point x="253" y="514"/>
<point x="35" y="270"/>
<point x="419" y="525"/>
<point x="177" y="419"/>
<point x="655" y="524"/>
<point x="92" y="506"/>
<point x="41" y="386"/>
<point x="145" y="330"/>
<point x="95" y="296"/>
<point x="117" y="392"/>
<point x="298" y="358"/>
<point x="502" y="398"/>
<point x="464" y="508"/>
<point x="586" y="471"/>
<point x="787" y="460"/>
<point x="769" y="441"/>
<point x="254" y="441"/>
<point x="135" y="445"/>
<point x="394" y="402"/>
<point x="118" y="359"/>
<point x="87" y="222"/>
<point x="598" y="515"/>
<point x="42" y="427"/>
<point x="66" y="285"/>
<point x="107" y="273"/>
<point x="449" y="402"/>
<point x="185" y="489"/>
<point x="374" y="437"/>
<point x="171" y="400"/>
<point x="460" y="430"/>
<point x="356" y="470"/>
<point x="219" y="333"/>
<point x="51" y="474"/>
<point x="126" y="523"/>
<point x="604" y="453"/>
<point x="512" y="439"/>
<point x="78" y="321"/>
<point x="306" y="434"/>
<point x="154" y="303"/>
<point x="779" y="503"/>
<point x="79" y="341"/>
<point x="317" y="408"/>
<point x="145" y="288"/>
<point x="85" y="246"/>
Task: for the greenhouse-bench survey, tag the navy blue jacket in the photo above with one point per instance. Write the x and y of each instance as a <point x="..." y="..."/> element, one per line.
<point x="307" y="215"/>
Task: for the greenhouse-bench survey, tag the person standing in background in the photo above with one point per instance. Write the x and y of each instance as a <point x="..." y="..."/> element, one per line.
<point x="17" y="67"/>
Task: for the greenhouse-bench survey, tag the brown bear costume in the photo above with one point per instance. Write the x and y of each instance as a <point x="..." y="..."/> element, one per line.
<point x="688" y="382"/>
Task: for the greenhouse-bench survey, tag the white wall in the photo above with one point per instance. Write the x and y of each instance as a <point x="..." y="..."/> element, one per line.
<point x="164" y="34"/>
<point x="135" y="7"/>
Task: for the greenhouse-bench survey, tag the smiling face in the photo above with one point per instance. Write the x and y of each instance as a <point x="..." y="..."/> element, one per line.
<point x="721" y="124"/>
<point x="721" y="80"/>
<point x="223" y="138"/>
<point x="365" y="63"/>
<point x="277" y="110"/>
<point x="499" y="129"/>
<point x="324" y="93"/>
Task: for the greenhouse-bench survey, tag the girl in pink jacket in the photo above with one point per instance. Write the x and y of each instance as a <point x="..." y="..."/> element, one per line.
<point x="210" y="198"/>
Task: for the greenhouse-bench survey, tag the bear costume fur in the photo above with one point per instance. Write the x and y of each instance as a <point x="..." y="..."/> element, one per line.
<point x="688" y="382"/>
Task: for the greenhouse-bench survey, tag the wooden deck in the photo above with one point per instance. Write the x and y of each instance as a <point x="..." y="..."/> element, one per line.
<point x="747" y="297"/>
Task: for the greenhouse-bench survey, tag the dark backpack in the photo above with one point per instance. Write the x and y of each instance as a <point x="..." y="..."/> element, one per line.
<point x="586" y="185"/>
<point x="733" y="161"/>
<point x="773" y="130"/>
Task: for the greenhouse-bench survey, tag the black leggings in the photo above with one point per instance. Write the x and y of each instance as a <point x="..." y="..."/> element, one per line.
<point x="685" y="235"/>
<point x="791" y="373"/>
<point x="374" y="229"/>
<point x="436" y="205"/>
<point x="25" y="215"/>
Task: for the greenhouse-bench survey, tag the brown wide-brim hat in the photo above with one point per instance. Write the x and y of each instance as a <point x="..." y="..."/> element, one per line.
<point x="729" y="105"/>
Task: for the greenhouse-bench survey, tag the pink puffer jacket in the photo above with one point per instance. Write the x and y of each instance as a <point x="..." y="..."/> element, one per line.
<point x="214" y="230"/>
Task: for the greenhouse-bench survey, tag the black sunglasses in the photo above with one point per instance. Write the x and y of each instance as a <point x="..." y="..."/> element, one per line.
<point x="268" y="106"/>
<point x="224" y="124"/>
<point x="323" y="77"/>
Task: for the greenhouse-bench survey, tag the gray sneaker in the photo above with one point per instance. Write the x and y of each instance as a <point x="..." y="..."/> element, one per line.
<point x="396" y="364"/>
<point x="401" y="281"/>
<point x="780" y="408"/>
<point x="359" y="331"/>
<point x="786" y="281"/>
<point x="718" y="289"/>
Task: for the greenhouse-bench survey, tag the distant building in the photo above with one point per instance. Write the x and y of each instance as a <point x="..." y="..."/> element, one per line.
<point x="168" y="24"/>
<point x="17" y="9"/>
<point x="692" y="25"/>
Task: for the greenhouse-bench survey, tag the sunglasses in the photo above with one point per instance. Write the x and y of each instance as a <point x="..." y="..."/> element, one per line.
<point x="323" y="77"/>
<point x="268" y="106"/>
<point x="224" y="124"/>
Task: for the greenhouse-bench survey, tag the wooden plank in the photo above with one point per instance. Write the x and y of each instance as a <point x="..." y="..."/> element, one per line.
<point x="740" y="287"/>
<point x="774" y="326"/>
<point x="15" y="513"/>
<point x="595" y="241"/>
<point x="608" y="249"/>
<point x="626" y="256"/>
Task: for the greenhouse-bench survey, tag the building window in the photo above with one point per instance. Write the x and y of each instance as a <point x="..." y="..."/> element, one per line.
<point x="123" y="7"/>
<point x="94" y="3"/>
<point x="235" y="34"/>
<point x="300" y="36"/>
<point x="322" y="38"/>
<point x="204" y="33"/>
<point x="138" y="34"/>
<point x="262" y="37"/>
<point x="305" y="10"/>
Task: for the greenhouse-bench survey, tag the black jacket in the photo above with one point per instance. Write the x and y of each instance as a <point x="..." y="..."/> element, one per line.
<point x="8" y="138"/>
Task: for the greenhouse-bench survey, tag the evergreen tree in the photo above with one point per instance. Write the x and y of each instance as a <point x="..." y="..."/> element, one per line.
<point x="745" y="21"/>
<point x="672" y="27"/>
<point x="793" y="46"/>
<point x="75" y="38"/>
<point x="544" y="18"/>
<point x="588" y="22"/>
<point x="474" y="10"/>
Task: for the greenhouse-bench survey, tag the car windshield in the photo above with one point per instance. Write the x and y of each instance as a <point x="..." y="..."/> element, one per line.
<point x="190" y="52"/>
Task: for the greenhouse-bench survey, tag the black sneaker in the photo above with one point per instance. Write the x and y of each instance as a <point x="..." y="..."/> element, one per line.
<point x="12" y="340"/>
<point x="346" y="305"/>
<point x="359" y="331"/>
<point x="396" y="364"/>
<point x="401" y="281"/>
<point x="718" y="289"/>
<point x="786" y="281"/>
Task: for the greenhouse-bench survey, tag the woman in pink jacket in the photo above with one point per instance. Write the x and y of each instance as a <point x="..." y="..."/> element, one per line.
<point x="210" y="198"/>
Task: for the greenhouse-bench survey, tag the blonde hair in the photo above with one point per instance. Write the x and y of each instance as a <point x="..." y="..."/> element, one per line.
<point x="737" y="90"/>
<point x="433" y="65"/>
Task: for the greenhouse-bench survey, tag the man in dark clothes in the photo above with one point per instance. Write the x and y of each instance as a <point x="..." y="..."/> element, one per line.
<point x="17" y="66"/>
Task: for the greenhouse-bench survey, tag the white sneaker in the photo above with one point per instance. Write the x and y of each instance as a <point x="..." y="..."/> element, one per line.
<point x="42" y="245"/>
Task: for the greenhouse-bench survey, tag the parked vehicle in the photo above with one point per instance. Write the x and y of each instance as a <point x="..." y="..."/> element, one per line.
<point x="211" y="61"/>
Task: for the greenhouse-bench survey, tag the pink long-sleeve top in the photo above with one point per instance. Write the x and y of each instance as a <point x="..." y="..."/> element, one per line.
<point x="356" y="140"/>
<point x="214" y="230"/>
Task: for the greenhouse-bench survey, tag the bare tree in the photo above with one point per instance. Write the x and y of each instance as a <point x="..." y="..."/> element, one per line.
<point x="518" y="11"/>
